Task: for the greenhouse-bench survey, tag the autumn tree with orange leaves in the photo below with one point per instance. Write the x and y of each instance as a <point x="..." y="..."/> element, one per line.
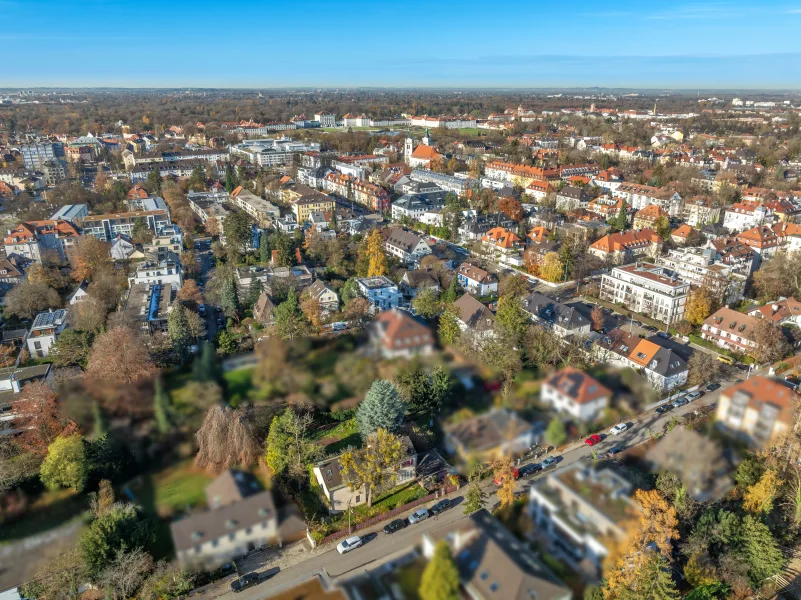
<point x="39" y="419"/>
<point x="120" y="356"/>
<point x="511" y="208"/>
<point x="650" y="532"/>
<point x="90" y="256"/>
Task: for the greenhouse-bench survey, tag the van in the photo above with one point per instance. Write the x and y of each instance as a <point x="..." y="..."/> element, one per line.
<point x="726" y="359"/>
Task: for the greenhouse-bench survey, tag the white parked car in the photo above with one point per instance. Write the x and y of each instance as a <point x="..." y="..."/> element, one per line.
<point x="349" y="544"/>
<point x="619" y="428"/>
<point x="419" y="515"/>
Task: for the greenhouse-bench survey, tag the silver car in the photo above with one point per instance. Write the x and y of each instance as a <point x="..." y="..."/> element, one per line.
<point x="419" y="515"/>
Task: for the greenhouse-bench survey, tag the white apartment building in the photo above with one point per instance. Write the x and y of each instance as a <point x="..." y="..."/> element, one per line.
<point x="651" y="290"/>
<point x="697" y="266"/>
<point x="46" y="328"/>
<point x="262" y="211"/>
<point x="639" y="196"/>
<point x="163" y="272"/>
<point x="746" y="215"/>
<point x="326" y="120"/>
<point x="381" y="292"/>
<point x="451" y="183"/>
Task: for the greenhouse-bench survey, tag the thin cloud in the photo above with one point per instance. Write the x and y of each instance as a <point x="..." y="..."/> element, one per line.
<point x="606" y="15"/>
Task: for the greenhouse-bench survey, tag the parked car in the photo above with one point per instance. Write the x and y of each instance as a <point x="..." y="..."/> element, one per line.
<point x="515" y="474"/>
<point x="395" y="525"/>
<point x="530" y="469"/>
<point x="440" y="506"/>
<point x="680" y="402"/>
<point x="421" y="514"/>
<point x="712" y="387"/>
<point x="549" y="462"/>
<point x="661" y="410"/>
<point x="664" y="334"/>
<point x="614" y="450"/>
<point x="244" y="582"/>
<point x="593" y="439"/>
<point x="619" y="428"/>
<point x="349" y="544"/>
<point x="693" y="396"/>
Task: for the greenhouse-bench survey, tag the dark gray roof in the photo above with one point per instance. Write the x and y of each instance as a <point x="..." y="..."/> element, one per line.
<point x="404" y="239"/>
<point x="420" y="278"/>
<point x="546" y="309"/>
<point x="412" y="202"/>
<point x="213" y="524"/>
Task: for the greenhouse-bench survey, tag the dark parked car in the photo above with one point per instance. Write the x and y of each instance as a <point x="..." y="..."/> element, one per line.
<point x="246" y="581"/>
<point x="680" y="402"/>
<point x="712" y="387"/>
<point x="661" y="410"/>
<point x="440" y="506"/>
<point x="530" y="469"/>
<point x="614" y="450"/>
<point x="395" y="525"/>
<point x="664" y="334"/>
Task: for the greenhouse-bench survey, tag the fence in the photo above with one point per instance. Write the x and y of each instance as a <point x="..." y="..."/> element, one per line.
<point x="387" y="515"/>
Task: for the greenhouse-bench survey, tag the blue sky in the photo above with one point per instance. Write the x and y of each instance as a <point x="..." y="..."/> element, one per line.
<point x="432" y="43"/>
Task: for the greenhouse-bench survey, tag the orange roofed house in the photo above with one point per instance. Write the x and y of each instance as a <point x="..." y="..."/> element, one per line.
<point x="395" y="333"/>
<point x="575" y="393"/>
<point x="36" y="238"/>
<point x="626" y="246"/>
<point x="503" y="246"/>
<point x="757" y="410"/>
<point x="648" y="216"/>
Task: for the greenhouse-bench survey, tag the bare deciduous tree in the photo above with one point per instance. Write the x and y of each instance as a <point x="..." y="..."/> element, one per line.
<point x="226" y="439"/>
<point x="120" y="356"/>
<point x="125" y="574"/>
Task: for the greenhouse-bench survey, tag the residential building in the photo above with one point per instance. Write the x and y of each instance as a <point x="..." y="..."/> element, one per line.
<point x="35" y="155"/>
<point x="746" y="215"/>
<point x="662" y="366"/>
<point x="415" y="206"/>
<point x="732" y="330"/>
<point x="492" y="562"/>
<point x="500" y="432"/>
<point x="209" y="210"/>
<point x="414" y="282"/>
<point x="699" y="267"/>
<point x="700" y="211"/>
<point x="36" y="239"/>
<point x="656" y="292"/>
<point x="517" y="174"/>
<point x="476" y="281"/>
<point x="580" y="510"/>
<point x="263" y="309"/>
<point x="474" y="316"/>
<point x="381" y="292"/>
<point x="475" y="226"/>
<point x="701" y="464"/>
<point x="503" y="246"/>
<point x="325" y="296"/>
<point x="639" y="196"/>
<point x="107" y="227"/>
<point x="241" y="517"/>
<point x="626" y="246"/>
<point x="408" y="246"/>
<point x="783" y="310"/>
<point x="149" y="306"/>
<point x="46" y="328"/>
<point x="305" y="205"/>
<point x="338" y="495"/>
<point x="648" y="216"/>
<point x="570" y="198"/>
<point x="161" y="272"/>
<point x="574" y="393"/>
<point x="265" y="213"/>
<point x="122" y="248"/>
<point x="762" y="240"/>
<point x="564" y="320"/>
<point x="758" y="410"/>
<point x="396" y="333"/>
<point x="68" y="212"/>
<point x="451" y="183"/>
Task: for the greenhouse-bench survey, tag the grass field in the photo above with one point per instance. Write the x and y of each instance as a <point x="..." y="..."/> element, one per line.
<point x="239" y="384"/>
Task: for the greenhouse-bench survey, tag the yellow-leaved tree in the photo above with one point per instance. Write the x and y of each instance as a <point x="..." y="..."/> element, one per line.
<point x="652" y="530"/>
<point x="700" y="305"/>
<point x="552" y="268"/>
<point x="760" y="497"/>
<point x="372" y="467"/>
<point x="377" y="260"/>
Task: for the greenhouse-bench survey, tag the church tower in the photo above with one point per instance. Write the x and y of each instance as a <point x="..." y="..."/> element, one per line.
<point x="408" y="148"/>
<point x="427" y="138"/>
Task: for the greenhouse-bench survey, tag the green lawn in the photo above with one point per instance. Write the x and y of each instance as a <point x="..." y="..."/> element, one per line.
<point x="340" y="437"/>
<point x="239" y="384"/>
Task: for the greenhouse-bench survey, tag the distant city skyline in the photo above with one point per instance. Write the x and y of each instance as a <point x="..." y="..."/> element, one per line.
<point x="311" y="43"/>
